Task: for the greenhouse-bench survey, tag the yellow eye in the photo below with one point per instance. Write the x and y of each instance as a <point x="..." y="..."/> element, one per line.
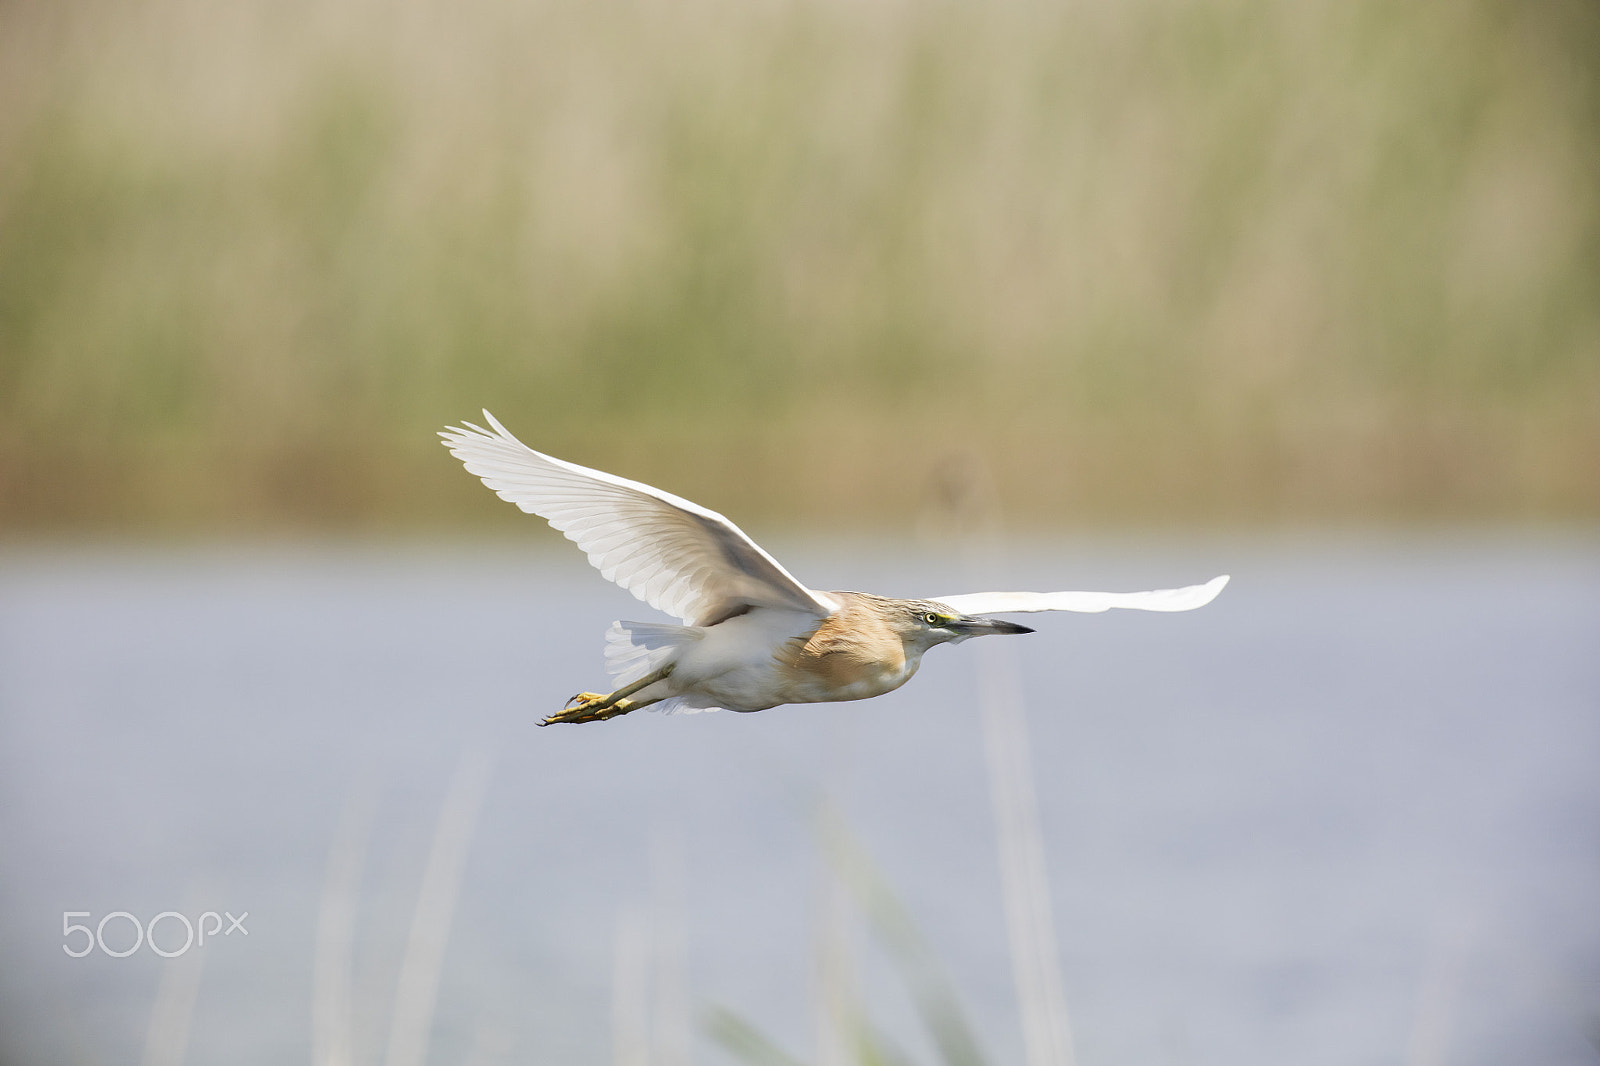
<point x="933" y="619"/>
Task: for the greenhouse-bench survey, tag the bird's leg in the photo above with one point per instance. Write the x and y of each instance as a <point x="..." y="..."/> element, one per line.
<point x="593" y="707"/>
<point x="593" y="700"/>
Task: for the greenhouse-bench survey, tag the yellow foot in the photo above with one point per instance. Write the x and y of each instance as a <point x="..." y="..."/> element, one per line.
<point x="593" y="707"/>
<point x="590" y="707"/>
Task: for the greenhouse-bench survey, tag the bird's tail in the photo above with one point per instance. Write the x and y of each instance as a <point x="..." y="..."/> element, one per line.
<point x="634" y="649"/>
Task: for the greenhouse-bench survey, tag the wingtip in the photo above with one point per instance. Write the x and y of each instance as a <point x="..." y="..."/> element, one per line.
<point x="494" y="424"/>
<point x="456" y="435"/>
<point x="456" y="431"/>
<point x="1213" y="588"/>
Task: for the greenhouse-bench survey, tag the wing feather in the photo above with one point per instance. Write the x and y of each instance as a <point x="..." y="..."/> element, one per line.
<point x="675" y="555"/>
<point x="1184" y="599"/>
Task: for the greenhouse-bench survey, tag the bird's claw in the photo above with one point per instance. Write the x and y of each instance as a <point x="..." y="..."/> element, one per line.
<point x="593" y="707"/>
<point x="589" y="707"/>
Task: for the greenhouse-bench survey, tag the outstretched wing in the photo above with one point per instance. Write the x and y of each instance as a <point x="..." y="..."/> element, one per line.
<point x="1184" y="599"/>
<point x="675" y="555"/>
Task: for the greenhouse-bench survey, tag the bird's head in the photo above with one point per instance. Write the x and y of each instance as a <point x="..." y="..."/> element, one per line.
<point x="924" y="623"/>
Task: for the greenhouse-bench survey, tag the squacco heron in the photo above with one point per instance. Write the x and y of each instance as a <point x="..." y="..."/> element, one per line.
<point x="753" y="637"/>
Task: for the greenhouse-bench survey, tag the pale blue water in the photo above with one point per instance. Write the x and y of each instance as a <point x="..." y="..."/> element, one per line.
<point x="1349" y="813"/>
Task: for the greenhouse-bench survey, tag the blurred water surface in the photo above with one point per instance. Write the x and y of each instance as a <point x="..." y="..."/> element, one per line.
<point x="1346" y="814"/>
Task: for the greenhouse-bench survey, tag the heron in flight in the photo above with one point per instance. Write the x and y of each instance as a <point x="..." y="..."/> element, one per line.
<point x="752" y="636"/>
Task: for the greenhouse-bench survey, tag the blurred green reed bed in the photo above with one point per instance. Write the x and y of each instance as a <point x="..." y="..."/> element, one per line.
<point x="1228" y="261"/>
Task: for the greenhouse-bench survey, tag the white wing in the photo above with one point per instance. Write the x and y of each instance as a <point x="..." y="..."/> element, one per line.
<point x="675" y="555"/>
<point x="1184" y="599"/>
